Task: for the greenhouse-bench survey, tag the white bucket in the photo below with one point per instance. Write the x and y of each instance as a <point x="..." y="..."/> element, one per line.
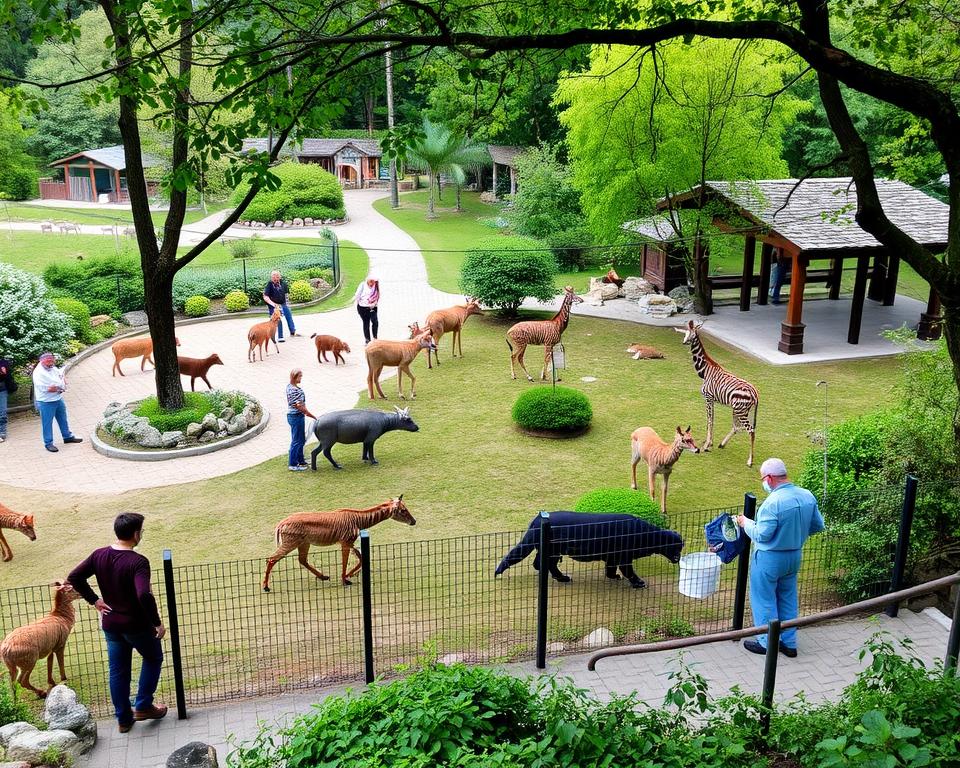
<point x="699" y="574"/>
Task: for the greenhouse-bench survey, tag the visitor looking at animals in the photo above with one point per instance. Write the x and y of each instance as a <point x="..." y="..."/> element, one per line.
<point x="8" y="386"/>
<point x="296" y="418"/>
<point x="128" y="616"/>
<point x="785" y="520"/>
<point x="275" y="296"/>
<point x="367" y="297"/>
<point x="49" y="384"/>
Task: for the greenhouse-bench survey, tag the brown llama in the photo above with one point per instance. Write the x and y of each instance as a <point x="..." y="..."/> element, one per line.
<point x="643" y="352"/>
<point x="25" y="646"/>
<point x="197" y="368"/>
<point x="343" y="526"/>
<point x="540" y="332"/>
<point x="16" y="522"/>
<point x="659" y="457"/>
<point x="448" y="320"/>
<point x="134" y="348"/>
<point x="261" y="334"/>
<point x="395" y="353"/>
<point x="330" y="344"/>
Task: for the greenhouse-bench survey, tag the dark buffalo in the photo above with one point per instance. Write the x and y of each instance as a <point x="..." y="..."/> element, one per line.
<point x="357" y="427"/>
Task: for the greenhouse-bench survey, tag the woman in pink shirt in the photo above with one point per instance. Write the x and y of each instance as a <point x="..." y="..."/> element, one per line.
<point x="367" y="298"/>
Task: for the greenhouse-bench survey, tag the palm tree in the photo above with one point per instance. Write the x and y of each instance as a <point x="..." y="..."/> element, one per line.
<point x="441" y="152"/>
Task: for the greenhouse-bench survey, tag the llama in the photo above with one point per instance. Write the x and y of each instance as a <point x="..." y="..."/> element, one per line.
<point x="13" y="521"/>
<point x="25" y="646"/>
<point x="197" y="367"/>
<point x="643" y="352"/>
<point x="300" y="530"/>
<point x="399" y="353"/>
<point x="330" y="344"/>
<point x="448" y="320"/>
<point x="261" y="334"/>
<point x="545" y="332"/>
<point x="659" y="457"/>
<point x="134" y="348"/>
<point x="721" y="386"/>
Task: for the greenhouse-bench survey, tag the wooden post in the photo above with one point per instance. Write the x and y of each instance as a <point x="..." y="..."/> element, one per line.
<point x="836" y="276"/>
<point x="859" y="292"/>
<point x="931" y="325"/>
<point x="791" y="331"/>
<point x="749" y="255"/>
<point x="495" y="180"/>
<point x="116" y="186"/>
<point x="93" y="183"/>
<point x="513" y="181"/>
<point x="893" y="274"/>
<point x="878" y="278"/>
<point x="766" y="256"/>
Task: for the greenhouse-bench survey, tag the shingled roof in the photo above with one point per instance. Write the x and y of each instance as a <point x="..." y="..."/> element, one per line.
<point x="111" y="157"/>
<point x="819" y="215"/>
<point x="504" y="155"/>
<point x="321" y="147"/>
<point x="657" y="228"/>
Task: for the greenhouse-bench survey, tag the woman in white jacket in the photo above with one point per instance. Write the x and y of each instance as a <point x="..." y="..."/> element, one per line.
<point x="367" y="297"/>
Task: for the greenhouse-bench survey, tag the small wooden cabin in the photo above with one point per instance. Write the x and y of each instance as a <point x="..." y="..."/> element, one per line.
<point x="93" y="176"/>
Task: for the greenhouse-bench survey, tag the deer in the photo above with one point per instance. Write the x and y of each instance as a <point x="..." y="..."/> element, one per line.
<point x="643" y="352"/>
<point x="395" y="353"/>
<point x="545" y="332"/>
<point x="25" y="646"/>
<point x="197" y="368"/>
<point x="659" y="456"/>
<point x="16" y="522"/>
<point x="134" y="348"/>
<point x="343" y="526"/>
<point x="448" y="320"/>
<point x="261" y="334"/>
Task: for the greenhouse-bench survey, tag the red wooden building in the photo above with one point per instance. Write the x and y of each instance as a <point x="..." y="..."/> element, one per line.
<point x="355" y="162"/>
<point x="94" y="175"/>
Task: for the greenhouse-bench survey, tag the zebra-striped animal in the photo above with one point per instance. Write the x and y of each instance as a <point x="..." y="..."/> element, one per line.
<point x="537" y="332"/>
<point x="721" y="386"/>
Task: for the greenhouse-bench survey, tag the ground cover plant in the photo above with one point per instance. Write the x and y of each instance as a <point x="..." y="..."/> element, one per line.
<point x="622" y="501"/>
<point x="196" y="406"/>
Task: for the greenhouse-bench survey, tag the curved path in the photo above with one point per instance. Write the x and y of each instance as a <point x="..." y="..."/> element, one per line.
<point x="78" y="468"/>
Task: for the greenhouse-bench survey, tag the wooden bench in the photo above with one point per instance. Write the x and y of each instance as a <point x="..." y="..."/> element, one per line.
<point x="720" y="282"/>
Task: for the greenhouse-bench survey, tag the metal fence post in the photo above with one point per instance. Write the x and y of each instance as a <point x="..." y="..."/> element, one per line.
<point x="544" y="580"/>
<point x="336" y="260"/>
<point x="770" y="673"/>
<point x="174" y="626"/>
<point x="368" y="672"/>
<point x="903" y="542"/>
<point x="743" y="565"/>
<point x="244" y="262"/>
<point x="953" y="641"/>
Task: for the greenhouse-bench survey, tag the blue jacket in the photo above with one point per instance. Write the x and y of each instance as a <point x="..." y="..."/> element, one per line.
<point x="785" y="520"/>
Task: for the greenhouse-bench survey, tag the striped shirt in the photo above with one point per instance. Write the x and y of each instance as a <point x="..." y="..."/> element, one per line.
<point x="295" y="395"/>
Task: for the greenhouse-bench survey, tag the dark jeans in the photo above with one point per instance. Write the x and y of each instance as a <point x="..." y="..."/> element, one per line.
<point x="370" y="321"/>
<point x="287" y="314"/>
<point x="120" y="648"/>
<point x="297" y="439"/>
<point x="3" y="411"/>
<point x="778" y="275"/>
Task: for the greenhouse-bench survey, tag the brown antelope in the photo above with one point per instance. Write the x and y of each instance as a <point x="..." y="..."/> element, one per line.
<point x="197" y="368"/>
<point x="261" y="334"/>
<point x="537" y="332"/>
<point x="134" y="348"/>
<point x="342" y="526"/>
<point x="448" y="320"/>
<point x="13" y="521"/>
<point x="659" y="457"/>
<point x="395" y="353"/>
<point x="643" y="352"/>
<point x="25" y="646"/>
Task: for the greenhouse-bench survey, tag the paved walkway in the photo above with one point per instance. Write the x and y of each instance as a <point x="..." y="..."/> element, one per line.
<point x="827" y="663"/>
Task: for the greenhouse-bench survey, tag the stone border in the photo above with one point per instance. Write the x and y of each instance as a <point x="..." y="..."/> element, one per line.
<point x="149" y="454"/>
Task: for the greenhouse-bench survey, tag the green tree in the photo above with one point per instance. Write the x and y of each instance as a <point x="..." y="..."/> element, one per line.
<point x="440" y="151"/>
<point x="546" y="201"/>
<point x="18" y="171"/>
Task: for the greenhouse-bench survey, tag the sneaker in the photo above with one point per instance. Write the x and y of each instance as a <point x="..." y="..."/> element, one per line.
<point x="52" y="448"/>
<point x="790" y="653"/>
<point x="280" y="341"/>
<point x="299" y="468"/>
<point x="294" y="333"/>
<point x="154" y="713"/>
<point x="754" y="647"/>
<point x="2" y="438"/>
<point x="73" y="439"/>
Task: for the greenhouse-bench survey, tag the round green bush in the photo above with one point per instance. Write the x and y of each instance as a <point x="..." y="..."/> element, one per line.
<point x="622" y="501"/>
<point x="571" y="247"/>
<point x="305" y="190"/>
<point x="78" y="314"/>
<point x="502" y="271"/>
<point x="550" y="409"/>
<point x="197" y="306"/>
<point x="236" y="301"/>
<point x="300" y="291"/>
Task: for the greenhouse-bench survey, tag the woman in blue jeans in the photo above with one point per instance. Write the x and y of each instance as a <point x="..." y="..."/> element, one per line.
<point x="296" y="416"/>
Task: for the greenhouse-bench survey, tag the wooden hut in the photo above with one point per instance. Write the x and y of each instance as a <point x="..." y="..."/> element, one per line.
<point x="94" y="175"/>
<point x="505" y="157"/>
<point x="661" y="263"/>
<point x="355" y="162"/>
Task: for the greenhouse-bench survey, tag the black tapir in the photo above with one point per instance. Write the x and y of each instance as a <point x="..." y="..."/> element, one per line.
<point x="357" y="427"/>
<point x="617" y="540"/>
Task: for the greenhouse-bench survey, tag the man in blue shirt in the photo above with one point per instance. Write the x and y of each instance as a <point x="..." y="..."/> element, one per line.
<point x="275" y="296"/>
<point x="784" y="522"/>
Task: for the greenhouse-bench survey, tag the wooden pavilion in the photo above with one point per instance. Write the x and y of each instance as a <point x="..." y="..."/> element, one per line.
<point x="505" y="156"/>
<point x="809" y="221"/>
<point x="94" y="175"/>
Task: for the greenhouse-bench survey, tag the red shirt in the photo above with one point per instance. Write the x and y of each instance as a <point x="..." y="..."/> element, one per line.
<point x="124" y="580"/>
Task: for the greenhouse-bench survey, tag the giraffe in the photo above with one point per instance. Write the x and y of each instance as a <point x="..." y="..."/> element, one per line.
<point x="721" y="386"/>
<point x="545" y="332"/>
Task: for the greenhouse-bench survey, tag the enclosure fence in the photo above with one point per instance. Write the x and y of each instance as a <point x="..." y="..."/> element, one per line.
<point x="418" y="602"/>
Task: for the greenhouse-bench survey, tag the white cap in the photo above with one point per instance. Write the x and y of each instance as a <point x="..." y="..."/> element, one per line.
<point x="774" y="468"/>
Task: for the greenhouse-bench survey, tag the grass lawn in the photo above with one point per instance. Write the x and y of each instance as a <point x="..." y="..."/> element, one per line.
<point x="106" y="216"/>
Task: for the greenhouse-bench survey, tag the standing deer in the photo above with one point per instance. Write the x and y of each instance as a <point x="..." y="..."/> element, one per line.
<point x="659" y="457"/>
<point x="540" y="332"/>
<point x="261" y="334"/>
<point x="341" y="526"/>
<point x="16" y="522"/>
<point x="721" y="386"/>
<point x="448" y="320"/>
<point x="399" y="353"/>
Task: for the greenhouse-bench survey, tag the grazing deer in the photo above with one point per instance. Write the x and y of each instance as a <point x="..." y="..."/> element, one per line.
<point x="399" y="353"/>
<point x="643" y="352"/>
<point x="134" y="348"/>
<point x="448" y="320"/>
<point x="46" y="226"/>
<point x="15" y="522"/>
<point x="659" y="457"/>
<point x="721" y="386"/>
<point x="261" y="334"/>
<point x="545" y="332"/>
<point x="25" y="646"/>
<point x="197" y="368"/>
<point x="341" y="526"/>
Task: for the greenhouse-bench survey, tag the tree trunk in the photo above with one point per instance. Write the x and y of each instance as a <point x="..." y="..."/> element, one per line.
<point x="458" y="199"/>
<point x="430" y="211"/>
<point x="951" y="332"/>
<point x="158" y="296"/>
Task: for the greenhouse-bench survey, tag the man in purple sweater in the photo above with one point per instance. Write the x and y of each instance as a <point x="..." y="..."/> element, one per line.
<point x="128" y="616"/>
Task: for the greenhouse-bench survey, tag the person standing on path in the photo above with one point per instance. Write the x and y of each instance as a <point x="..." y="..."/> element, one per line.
<point x="785" y="520"/>
<point x="367" y="297"/>
<point x="128" y="617"/>
<point x="296" y="418"/>
<point x="275" y="295"/>
<point x="49" y="385"/>
<point x="8" y="386"/>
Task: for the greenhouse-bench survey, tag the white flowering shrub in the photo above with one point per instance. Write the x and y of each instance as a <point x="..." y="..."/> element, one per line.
<point x="29" y="322"/>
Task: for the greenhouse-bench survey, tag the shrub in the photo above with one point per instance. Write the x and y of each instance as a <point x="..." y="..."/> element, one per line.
<point x="29" y="322"/>
<point x="546" y="201"/>
<point x="94" y="282"/>
<point x="245" y="248"/>
<point x="312" y="273"/>
<point x="79" y="316"/>
<point x="550" y="409"/>
<point x="19" y="183"/>
<point x="503" y="271"/>
<point x="622" y="501"/>
<point x="571" y="247"/>
<point x="13" y="711"/>
<point x="300" y="291"/>
<point x="318" y="212"/>
<point x="305" y="190"/>
<point x="105" y="330"/>
<point x="197" y="306"/>
<point x="196" y="405"/>
<point x="236" y="301"/>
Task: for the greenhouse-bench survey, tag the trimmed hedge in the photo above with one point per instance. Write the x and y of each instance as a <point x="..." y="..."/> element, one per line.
<point x="550" y="409"/>
<point x="197" y="306"/>
<point x="236" y="301"/>
<point x="502" y="271"/>
<point x="78" y="314"/>
<point x="94" y="282"/>
<point x="300" y="291"/>
<point x="306" y="190"/>
<point x="622" y="501"/>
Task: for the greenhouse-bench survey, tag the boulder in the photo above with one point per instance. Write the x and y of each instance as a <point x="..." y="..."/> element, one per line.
<point x="221" y="434"/>
<point x="18" y="764"/>
<point x="144" y="435"/>
<point x="210" y="423"/>
<point x="113" y="408"/>
<point x="233" y="428"/>
<point x="288" y="223"/>
<point x="634" y="288"/>
<point x="681" y="294"/>
<point x="207" y="437"/>
<point x="62" y="711"/>
<point x="319" y="284"/>
<point x="556" y="647"/>
<point x="657" y="305"/>
<point x="99" y="320"/>
<point x="10" y="730"/>
<point x="239" y="421"/>
<point x="127" y="426"/>
<point x="221" y="425"/>
<point x="607" y="290"/>
<point x="599" y="638"/>
<point x="30" y="745"/>
<point x="308" y="222"/>
<point x="593" y="299"/>
<point x="194" y="429"/>
<point x="298" y="222"/>
<point x="87" y="736"/>
<point x="252" y="415"/>
<point x="196" y="754"/>
<point x="278" y="223"/>
<point x="171" y="439"/>
<point x="227" y="413"/>
<point x="488" y="197"/>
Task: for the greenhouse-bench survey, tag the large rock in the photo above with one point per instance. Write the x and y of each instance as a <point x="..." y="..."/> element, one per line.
<point x="10" y="730"/>
<point x="227" y="413"/>
<point x="209" y="423"/>
<point x="319" y="284"/>
<point x="234" y="428"/>
<point x="171" y="439"/>
<point x="194" y="429"/>
<point x="635" y="288"/>
<point x="62" y="711"/>
<point x="681" y="295"/>
<point x="308" y="222"/>
<point x="87" y="736"/>
<point x="298" y="222"/>
<point x="599" y="638"/>
<point x="208" y="437"/>
<point x="30" y="745"/>
<point x="252" y="415"/>
<point x="607" y="290"/>
<point x="221" y="425"/>
<point x="593" y="298"/>
<point x="18" y="764"/>
<point x="657" y="305"/>
<point x="196" y="754"/>
<point x="145" y="435"/>
<point x="112" y="408"/>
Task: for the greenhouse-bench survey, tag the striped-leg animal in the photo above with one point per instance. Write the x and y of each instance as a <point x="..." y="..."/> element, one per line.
<point x="721" y="386"/>
<point x="540" y="332"/>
